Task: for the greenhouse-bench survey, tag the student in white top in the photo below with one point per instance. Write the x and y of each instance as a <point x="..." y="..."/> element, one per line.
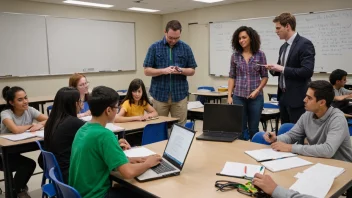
<point x="18" y="118"/>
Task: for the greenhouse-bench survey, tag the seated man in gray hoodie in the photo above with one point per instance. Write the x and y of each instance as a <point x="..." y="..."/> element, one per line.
<point x="325" y="127"/>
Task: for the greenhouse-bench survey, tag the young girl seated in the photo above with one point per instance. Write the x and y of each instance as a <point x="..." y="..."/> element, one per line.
<point x="17" y="118"/>
<point x="62" y="126"/>
<point x="79" y="81"/>
<point x="135" y="103"/>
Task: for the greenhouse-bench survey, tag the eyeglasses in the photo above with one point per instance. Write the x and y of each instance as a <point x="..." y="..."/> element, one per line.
<point x="86" y="84"/>
<point x="247" y="189"/>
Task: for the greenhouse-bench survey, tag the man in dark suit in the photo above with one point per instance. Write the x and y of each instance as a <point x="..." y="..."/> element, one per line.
<point x="295" y="68"/>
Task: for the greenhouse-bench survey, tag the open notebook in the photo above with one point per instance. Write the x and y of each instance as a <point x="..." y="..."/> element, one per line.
<point x="285" y="164"/>
<point x="23" y="136"/>
<point x="246" y="171"/>
<point x="112" y="127"/>
<point x="268" y="154"/>
<point x="138" y="152"/>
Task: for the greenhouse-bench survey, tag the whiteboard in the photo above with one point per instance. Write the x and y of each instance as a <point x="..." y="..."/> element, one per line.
<point x="82" y="45"/>
<point x="23" y="45"/>
<point x="330" y="32"/>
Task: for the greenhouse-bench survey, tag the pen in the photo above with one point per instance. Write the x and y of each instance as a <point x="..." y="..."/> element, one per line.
<point x="269" y="134"/>
<point x="245" y="169"/>
<point x="261" y="168"/>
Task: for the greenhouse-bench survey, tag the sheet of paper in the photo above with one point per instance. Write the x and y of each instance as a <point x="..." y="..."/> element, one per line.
<point x="268" y="154"/>
<point x="194" y="105"/>
<point x="113" y="127"/>
<point x="39" y="133"/>
<point x="286" y="163"/>
<point x="17" y="137"/>
<point x="138" y="152"/>
<point x="319" y="169"/>
<point x="322" y="184"/>
<point x="86" y="118"/>
<point x="238" y="169"/>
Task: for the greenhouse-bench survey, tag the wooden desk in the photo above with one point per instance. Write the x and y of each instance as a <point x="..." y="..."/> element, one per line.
<point x="34" y="102"/>
<point x="206" y="158"/>
<point x="9" y="147"/>
<point x="212" y="95"/>
<point x="137" y="126"/>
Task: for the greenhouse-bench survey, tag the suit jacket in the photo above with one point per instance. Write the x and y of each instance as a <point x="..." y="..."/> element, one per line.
<point x="298" y="71"/>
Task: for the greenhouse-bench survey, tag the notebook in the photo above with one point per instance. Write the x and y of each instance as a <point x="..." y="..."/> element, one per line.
<point x="268" y="154"/>
<point x="111" y="126"/>
<point x="285" y="164"/>
<point x="194" y="105"/>
<point x="23" y="136"/>
<point x="138" y="152"/>
<point x="246" y="171"/>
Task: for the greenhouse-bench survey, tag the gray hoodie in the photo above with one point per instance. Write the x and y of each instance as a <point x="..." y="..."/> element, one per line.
<point x="328" y="136"/>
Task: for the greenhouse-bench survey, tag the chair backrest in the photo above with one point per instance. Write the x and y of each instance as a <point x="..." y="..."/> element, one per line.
<point x="48" y="109"/>
<point x="189" y="125"/>
<point x="65" y="191"/>
<point x="285" y="128"/>
<point x="154" y="133"/>
<point x="272" y="96"/>
<point x="258" y="138"/>
<point x="271" y="106"/>
<point x="49" y="161"/>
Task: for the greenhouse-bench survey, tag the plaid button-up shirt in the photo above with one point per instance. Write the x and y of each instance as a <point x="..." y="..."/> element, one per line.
<point x="247" y="76"/>
<point x="159" y="56"/>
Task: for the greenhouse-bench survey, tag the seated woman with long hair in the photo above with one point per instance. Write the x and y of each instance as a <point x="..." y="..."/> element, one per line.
<point x="62" y="126"/>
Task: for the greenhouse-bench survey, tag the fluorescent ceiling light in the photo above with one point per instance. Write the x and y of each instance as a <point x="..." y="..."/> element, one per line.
<point x="209" y="1"/>
<point x="143" y="9"/>
<point x="88" y="4"/>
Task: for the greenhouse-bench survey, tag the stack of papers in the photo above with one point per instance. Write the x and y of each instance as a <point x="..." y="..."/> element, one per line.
<point x="113" y="127"/>
<point x="268" y="154"/>
<point x="194" y="105"/>
<point x="23" y="136"/>
<point x="247" y="171"/>
<point x="322" y="176"/>
<point x="138" y="152"/>
<point x="285" y="164"/>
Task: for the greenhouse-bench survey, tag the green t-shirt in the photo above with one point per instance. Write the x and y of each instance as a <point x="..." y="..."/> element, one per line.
<point x="95" y="152"/>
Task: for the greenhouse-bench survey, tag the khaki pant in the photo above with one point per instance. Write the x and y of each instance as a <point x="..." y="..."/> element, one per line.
<point x="177" y="109"/>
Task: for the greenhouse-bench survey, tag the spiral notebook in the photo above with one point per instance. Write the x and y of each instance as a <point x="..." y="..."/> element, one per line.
<point x="240" y="170"/>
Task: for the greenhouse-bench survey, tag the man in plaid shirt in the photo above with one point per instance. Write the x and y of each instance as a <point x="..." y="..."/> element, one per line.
<point x="169" y="62"/>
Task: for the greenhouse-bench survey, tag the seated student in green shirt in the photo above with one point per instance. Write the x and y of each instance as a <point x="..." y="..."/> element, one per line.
<point x="96" y="151"/>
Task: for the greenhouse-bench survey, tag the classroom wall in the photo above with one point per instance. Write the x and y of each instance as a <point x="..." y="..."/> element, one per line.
<point x="147" y="31"/>
<point x="194" y="34"/>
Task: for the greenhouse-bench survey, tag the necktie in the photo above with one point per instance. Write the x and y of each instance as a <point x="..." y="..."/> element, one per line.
<point x="282" y="83"/>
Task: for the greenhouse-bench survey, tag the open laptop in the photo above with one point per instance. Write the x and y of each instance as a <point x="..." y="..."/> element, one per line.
<point x="174" y="156"/>
<point x="222" y="122"/>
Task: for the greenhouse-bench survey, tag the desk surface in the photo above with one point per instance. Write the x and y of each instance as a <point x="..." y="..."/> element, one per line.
<point x="265" y="110"/>
<point x="34" y="99"/>
<point x="6" y="142"/>
<point x="129" y="126"/>
<point x="206" y="158"/>
<point x="222" y="94"/>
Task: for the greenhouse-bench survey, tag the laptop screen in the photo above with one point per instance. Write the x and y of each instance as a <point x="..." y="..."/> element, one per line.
<point x="222" y="117"/>
<point x="178" y="145"/>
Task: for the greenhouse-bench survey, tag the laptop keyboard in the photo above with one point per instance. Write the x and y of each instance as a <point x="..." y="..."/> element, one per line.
<point x="163" y="167"/>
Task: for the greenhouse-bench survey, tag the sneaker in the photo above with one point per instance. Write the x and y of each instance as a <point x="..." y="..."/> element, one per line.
<point x="23" y="194"/>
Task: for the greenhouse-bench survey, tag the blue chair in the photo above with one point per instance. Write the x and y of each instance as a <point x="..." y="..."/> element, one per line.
<point x="154" y="133"/>
<point x="285" y="128"/>
<point x="271" y="106"/>
<point x="349" y="122"/>
<point x="190" y="125"/>
<point x="258" y="138"/>
<point x="48" y="109"/>
<point x="49" y="161"/>
<point x="204" y="99"/>
<point x="64" y="190"/>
